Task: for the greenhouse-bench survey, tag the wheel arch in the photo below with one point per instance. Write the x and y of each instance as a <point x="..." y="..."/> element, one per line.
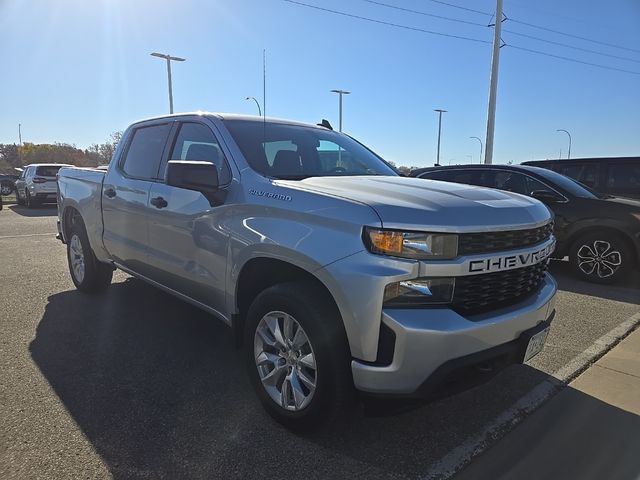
<point x="251" y="281"/>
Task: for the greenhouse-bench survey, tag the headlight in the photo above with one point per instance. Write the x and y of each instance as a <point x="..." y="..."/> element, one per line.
<point x="419" y="291"/>
<point x="417" y="245"/>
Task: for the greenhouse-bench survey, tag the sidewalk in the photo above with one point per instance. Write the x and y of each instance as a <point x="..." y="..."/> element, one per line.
<point x="590" y="430"/>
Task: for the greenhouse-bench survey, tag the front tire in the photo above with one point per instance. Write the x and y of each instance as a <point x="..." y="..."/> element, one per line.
<point x="601" y="257"/>
<point x="297" y="356"/>
<point x="87" y="273"/>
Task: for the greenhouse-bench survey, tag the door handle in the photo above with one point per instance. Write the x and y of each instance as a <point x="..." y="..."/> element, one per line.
<point x="158" y="202"/>
<point x="110" y="192"/>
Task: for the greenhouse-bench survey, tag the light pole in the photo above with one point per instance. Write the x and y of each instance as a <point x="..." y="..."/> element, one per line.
<point x="257" y="104"/>
<point x="563" y="130"/>
<point x="20" y="133"/>
<point x="340" y="94"/>
<point x="168" y="58"/>
<point x="440" y="112"/>
<point x="480" y="140"/>
<point x="470" y="158"/>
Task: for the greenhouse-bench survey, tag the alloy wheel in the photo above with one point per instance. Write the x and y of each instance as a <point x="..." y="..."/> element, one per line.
<point x="600" y="258"/>
<point x="285" y="360"/>
<point x="77" y="258"/>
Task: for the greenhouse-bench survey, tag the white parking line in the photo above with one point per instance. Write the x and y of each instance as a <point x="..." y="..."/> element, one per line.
<point x="28" y="235"/>
<point x="460" y="456"/>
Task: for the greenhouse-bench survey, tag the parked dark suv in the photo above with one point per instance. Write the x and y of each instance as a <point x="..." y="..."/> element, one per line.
<point x="7" y="183"/>
<point x="599" y="233"/>
<point x="613" y="176"/>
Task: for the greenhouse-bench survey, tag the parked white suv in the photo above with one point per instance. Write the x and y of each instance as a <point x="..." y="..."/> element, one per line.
<point x="37" y="184"/>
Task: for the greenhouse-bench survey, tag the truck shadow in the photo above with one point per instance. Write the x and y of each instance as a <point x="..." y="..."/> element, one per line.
<point x="158" y="388"/>
<point x="48" y="210"/>
<point x="627" y="291"/>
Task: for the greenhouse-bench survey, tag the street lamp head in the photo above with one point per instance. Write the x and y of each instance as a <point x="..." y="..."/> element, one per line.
<point x="343" y="92"/>
<point x="167" y="57"/>
<point x="439" y="110"/>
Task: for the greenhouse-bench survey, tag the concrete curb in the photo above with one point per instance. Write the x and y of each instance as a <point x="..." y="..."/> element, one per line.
<point x="460" y="456"/>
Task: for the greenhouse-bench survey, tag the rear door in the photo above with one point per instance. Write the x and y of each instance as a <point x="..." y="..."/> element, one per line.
<point x="188" y="240"/>
<point x="125" y="195"/>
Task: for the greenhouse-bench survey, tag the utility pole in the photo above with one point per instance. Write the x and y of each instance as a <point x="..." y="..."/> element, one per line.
<point x="264" y="84"/>
<point x="440" y="112"/>
<point x="20" y="133"/>
<point x="493" y="87"/>
<point x="340" y="94"/>
<point x="480" y="140"/>
<point x="563" y="130"/>
<point x="169" y="58"/>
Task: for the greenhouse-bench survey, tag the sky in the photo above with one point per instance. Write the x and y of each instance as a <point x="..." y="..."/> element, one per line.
<point x="74" y="71"/>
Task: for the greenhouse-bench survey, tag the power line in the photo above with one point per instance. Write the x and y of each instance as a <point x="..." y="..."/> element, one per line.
<point x="532" y="37"/>
<point x="460" y="37"/>
<point x="569" y="59"/>
<point x="572" y="35"/>
<point x="462" y="8"/>
<point x="570" y="46"/>
<point x="390" y="24"/>
<point x="532" y="25"/>
<point x="395" y="7"/>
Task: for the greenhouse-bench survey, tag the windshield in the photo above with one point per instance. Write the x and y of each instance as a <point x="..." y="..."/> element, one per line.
<point x="571" y="186"/>
<point x="295" y="152"/>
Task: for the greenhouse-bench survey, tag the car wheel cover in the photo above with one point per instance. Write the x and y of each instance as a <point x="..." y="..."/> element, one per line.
<point x="600" y="259"/>
<point x="76" y="257"/>
<point x="285" y="360"/>
<point x="5" y="189"/>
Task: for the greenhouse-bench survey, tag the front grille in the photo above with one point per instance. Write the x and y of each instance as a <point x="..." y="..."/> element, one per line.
<point x="483" y="242"/>
<point x="475" y="294"/>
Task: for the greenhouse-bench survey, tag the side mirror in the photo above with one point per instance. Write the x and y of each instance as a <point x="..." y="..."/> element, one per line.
<point x="199" y="176"/>
<point x="546" y="196"/>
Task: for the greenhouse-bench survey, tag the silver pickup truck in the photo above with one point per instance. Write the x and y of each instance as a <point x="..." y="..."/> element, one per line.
<point x="336" y="274"/>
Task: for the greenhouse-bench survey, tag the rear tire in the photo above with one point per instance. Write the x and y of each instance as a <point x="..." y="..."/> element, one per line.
<point x="19" y="199"/>
<point x="297" y="357"/>
<point x="29" y="201"/>
<point x="87" y="273"/>
<point x="601" y="257"/>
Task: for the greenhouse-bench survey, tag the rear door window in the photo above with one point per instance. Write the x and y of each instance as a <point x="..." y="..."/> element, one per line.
<point x="442" y="175"/>
<point x="469" y="177"/>
<point x="145" y="152"/>
<point x="506" y="180"/>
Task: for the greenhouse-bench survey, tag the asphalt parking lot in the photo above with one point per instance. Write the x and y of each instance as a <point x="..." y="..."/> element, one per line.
<point x="136" y="384"/>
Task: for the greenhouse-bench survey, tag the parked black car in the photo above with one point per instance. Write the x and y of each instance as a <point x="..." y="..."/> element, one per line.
<point x="7" y="183"/>
<point x="613" y="176"/>
<point x="599" y="233"/>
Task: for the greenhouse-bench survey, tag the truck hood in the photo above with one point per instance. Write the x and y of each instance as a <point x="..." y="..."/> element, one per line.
<point x="415" y="203"/>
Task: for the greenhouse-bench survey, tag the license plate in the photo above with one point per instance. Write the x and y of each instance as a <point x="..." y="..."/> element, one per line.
<point x="535" y="344"/>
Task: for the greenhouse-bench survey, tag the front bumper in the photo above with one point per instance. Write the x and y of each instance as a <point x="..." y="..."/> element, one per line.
<point x="427" y="340"/>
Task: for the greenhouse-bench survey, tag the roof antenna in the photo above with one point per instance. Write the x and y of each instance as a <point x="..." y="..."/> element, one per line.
<point x="325" y="123"/>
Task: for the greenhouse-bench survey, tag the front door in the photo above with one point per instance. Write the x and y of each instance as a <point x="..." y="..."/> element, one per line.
<point x="187" y="236"/>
